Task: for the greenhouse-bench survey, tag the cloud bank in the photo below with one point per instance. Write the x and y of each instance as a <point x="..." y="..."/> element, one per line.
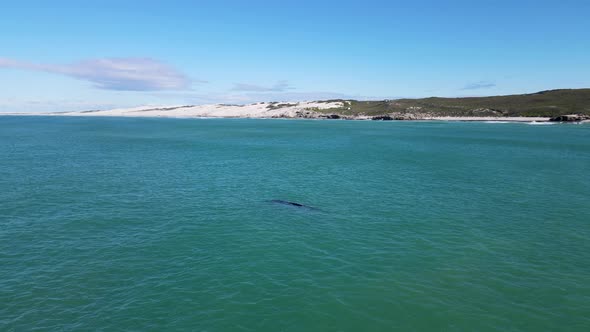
<point x="277" y="87"/>
<point x="189" y="98"/>
<point x="122" y="74"/>
<point x="479" y="85"/>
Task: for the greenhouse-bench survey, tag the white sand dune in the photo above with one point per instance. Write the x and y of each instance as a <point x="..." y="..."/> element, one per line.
<point x="257" y="110"/>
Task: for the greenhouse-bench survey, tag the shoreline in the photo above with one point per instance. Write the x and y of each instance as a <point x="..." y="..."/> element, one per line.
<point x="350" y="118"/>
<point x="512" y="119"/>
<point x="312" y="110"/>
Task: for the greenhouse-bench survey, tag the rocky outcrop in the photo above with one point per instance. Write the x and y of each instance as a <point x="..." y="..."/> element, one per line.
<point x="331" y="116"/>
<point x="382" y="118"/>
<point x="406" y="116"/>
<point x="307" y="114"/>
<point x="397" y="116"/>
<point x="570" y="118"/>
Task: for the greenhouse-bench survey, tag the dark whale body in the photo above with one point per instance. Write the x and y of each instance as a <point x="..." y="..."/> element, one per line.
<point x="293" y="204"/>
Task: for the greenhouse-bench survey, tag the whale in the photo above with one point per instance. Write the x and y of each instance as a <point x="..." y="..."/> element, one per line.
<point x="292" y="204"/>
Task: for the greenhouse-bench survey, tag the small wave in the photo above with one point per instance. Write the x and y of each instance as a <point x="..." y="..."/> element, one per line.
<point x="492" y="121"/>
<point x="535" y="123"/>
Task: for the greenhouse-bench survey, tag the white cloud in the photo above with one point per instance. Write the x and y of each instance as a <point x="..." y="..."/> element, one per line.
<point x="127" y="74"/>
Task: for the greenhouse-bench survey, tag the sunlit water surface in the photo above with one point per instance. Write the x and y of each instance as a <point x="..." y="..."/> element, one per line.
<point x="165" y="224"/>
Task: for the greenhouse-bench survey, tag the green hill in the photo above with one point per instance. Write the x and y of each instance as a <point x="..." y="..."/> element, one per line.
<point x="544" y="103"/>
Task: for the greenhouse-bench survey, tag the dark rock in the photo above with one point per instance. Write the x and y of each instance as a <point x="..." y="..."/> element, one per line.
<point x="330" y="116"/>
<point x="382" y="118"/>
<point x="570" y="118"/>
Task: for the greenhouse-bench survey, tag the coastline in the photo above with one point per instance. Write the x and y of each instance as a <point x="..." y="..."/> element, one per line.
<point x="313" y="110"/>
<point x="488" y="119"/>
<point x="349" y="118"/>
<point x="318" y="110"/>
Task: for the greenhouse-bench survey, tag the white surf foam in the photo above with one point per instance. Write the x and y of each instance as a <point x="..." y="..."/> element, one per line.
<point x="534" y="123"/>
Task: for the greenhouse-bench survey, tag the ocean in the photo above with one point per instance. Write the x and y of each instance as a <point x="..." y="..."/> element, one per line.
<point x="168" y="224"/>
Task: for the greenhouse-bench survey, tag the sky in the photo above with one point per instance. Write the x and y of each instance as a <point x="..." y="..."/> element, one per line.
<point x="82" y="55"/>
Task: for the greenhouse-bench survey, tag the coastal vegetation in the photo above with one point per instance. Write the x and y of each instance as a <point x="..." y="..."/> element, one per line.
<point x="541" y="104"/>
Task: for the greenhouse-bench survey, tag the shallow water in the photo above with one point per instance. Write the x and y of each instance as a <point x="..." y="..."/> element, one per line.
<point x="166" y="224"/>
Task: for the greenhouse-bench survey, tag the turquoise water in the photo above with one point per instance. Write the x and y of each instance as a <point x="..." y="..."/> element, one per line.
<point x="164" y="224"/>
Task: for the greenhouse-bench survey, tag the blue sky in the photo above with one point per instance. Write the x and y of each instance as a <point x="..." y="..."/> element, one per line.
<point x="75" y="55"/>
